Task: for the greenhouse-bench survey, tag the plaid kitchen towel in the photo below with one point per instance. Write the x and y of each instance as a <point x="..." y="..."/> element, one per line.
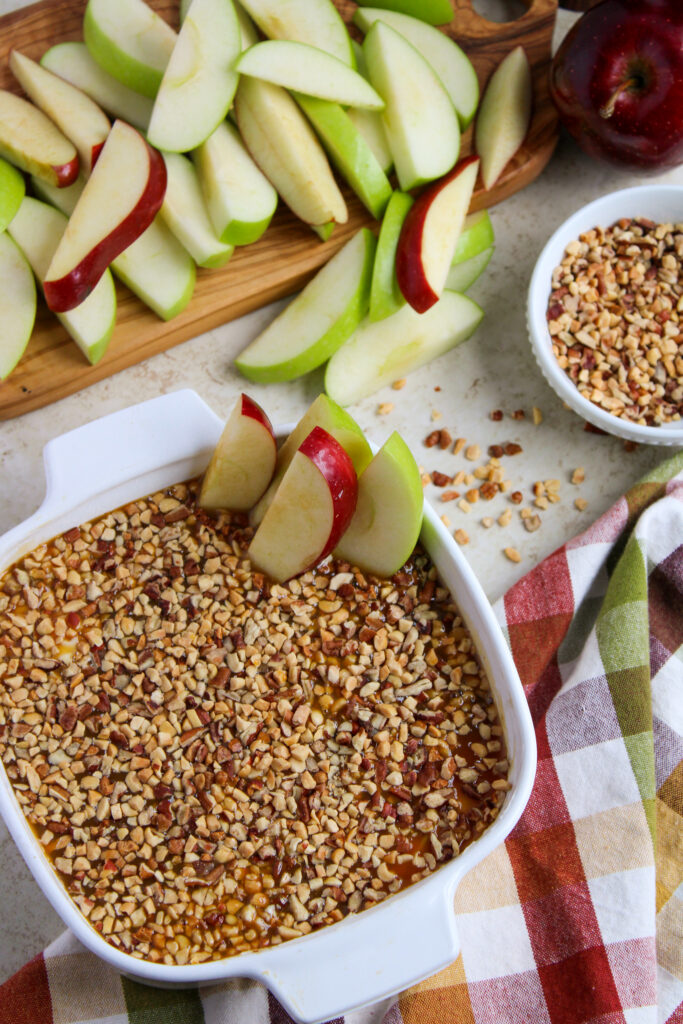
<point x="579" y="917"/>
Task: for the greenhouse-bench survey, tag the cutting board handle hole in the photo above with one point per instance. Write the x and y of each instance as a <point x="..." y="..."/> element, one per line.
<point x="500" y="11"/>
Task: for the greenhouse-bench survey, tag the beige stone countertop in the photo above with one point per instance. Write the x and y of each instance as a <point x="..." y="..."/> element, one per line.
<point x="493" y="370"/>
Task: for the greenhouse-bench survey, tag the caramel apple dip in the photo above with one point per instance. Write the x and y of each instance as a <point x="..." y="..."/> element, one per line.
<point x="214" y="763"/>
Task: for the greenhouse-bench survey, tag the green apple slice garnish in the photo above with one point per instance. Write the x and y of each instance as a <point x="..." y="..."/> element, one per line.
<point x="17" y="304"/>
<point x="130" y="41"/>
<point x="382" y="352"/>
<point x="451" y="64"/>
<point x="462" y="275"/>
<point x="12" y="191"/>
<point x="435" y="12"/>
<point x="320" y="319"/>
<point x="317" y="22"/>
<point x="476" y="235"/>
<point x="504" y="115"/>
<point x="385" y="294"/>
<point x="185" y="213"/>
<point x="369" y="122"/>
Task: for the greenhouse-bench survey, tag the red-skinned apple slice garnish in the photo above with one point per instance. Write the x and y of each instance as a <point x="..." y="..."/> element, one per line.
<point x="311" y="509"/>
<point x="243" y="462"/>
<point x="30" y="141"/>
<point x="120" y="200"/>
<point x="430" y="233"/>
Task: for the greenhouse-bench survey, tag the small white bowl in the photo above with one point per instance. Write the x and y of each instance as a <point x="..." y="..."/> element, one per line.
<point x="661" y="203"/>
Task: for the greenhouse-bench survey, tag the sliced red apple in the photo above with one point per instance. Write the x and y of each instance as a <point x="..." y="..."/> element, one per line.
<point x="74" y="113"/>
<point x="504" y="115"/>
<point x="311" y="510"/>
<point x="120" y="199"/>
<point x="243" y="462"/>
<point x="30" y="141"/>
<point x="430" y="233"/>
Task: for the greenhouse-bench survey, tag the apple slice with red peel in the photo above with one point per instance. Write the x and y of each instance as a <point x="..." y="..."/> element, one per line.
<point x="386" y="524"/>
<point x="30" y="141"/>
<point x="311" y="510"/>
<point x="17" y="303"/>
<point x="325" y="413"/>
<point x="120" y="199"/>
<point x="72" y="111"/>
<point x="243" y="462"/>
<point x="430" y="233"/>
<point x="504" y="115"/>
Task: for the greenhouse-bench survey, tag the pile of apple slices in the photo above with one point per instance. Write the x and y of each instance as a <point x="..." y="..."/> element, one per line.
<point x="322" y="493"/>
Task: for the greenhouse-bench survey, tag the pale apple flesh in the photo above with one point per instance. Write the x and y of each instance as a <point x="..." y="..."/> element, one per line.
<point x="430" y="233"/>
<point x="185" y="213"/>
<point x="74" y="113"/>
<point x="369" y="122"/>
<point x="462" y="275"/>
<point x="386" y="524"/>
<point x="325" y="413"/>
<point x="306" y="21"/>
<point x="17" y="304"/>
<point x="379" y="353"/>
<point x="12" y="191"/>
<point x="119" y="201"/>
<point x="243" y="461"/>
<point x="318" y="320"/>
<point x="504" y="115"/>
<point x="130" y="41"/>
<point x="385" y="295"/>
<point x="311" y="510"/>
<point x="30" y="141"/>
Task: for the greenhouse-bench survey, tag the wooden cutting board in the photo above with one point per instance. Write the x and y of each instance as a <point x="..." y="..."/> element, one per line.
<point x="289" y="253"/>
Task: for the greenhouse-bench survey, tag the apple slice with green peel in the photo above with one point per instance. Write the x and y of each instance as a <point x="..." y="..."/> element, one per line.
<point x="435" y="12"/>
<point x="74" y="113"/>
<point x="385" y="527"/>
<point x="156" y="267"/>
<point x="129" y="41"/>
<point x="239" y="198"/>
<point x="286" y="148"/>
<point x="323" y="231"/>
<point x="311" y="510"/>
<point x="420" y="121"/>
<point x="72" y="61"/>
<point x="385" y="295"/>
<point x="17" y="304"/>
<point x="462" y="275"/>
<point x="504" y="115"/>
<point x="37" y="229"/>
<point x="120" y="199"/>
<point x="430" y="233"/>
<point x="317" y="22"/>
<point x="325" y="413"/>
<point x="243" y="461"/>
<point x="185" y="213"/>
<point x="30" y="141"/>
<point x="451" y="64"/>
<point x="348" y="151"/>
<point x="248" y="33"/>
<point x="12" y="191"/>
<point x="318" y="320"/>
<point x="369" y="122"/>
<point x="379" y="353"/>
<point x="476" y="235"/>
<point x="199" y="82"/>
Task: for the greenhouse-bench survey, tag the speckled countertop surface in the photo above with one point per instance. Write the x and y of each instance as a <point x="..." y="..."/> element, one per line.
<point x="494" y="370"/>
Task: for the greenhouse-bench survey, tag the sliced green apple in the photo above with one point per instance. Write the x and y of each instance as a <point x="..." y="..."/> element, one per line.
<point x="451" y="64"/>
<point x="130" y="41"/>
<point x="420" y="120"/>
<point x="476" y="235"/>
<point x="30" y="141"/>
<point x="286" y="148"/>
<point x="17" y="304"/>
<point x="348" y="151"/>
<point x="74" y="113"/>
<point x="185" y="213"/>
<point x="325" y="413"/>
<point x="239" y="198"/>
<point x="317" y="22"/>
<point x="318" y="320"/>
<point x="504" y="115"/>
<point x="462" y="275"/>
<point x="386" y="524"/>
<point x="72" y="61"/>
<point x="435" y="12"/>
<point x="324" y="231"/>
<point x="12" y="191"/>
<point x="379" y="353"/>
<point x="248" y="31"/>
<point x="369" y="122"/>
<point x="385" y="295"/>
<point x="37" y="229"/>
<point x="199" y="81"/>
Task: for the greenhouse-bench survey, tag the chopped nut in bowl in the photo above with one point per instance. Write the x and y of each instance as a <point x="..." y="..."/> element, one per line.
<point x="212" y="775"/>
<point x="605" y="313"/>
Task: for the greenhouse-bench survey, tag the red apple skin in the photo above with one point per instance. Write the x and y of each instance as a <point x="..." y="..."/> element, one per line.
<point x="612" y="44"/>
<point x="255" y="412"/>
<point x="331" y="459"/>
<point x="69" y="291"/>
<point x="410" y="274"/>
<point x="66" y="174"/>
<point x="95" y="152"/>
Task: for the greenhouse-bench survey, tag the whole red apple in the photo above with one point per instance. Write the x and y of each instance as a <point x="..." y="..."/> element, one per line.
<point x="617" y="82"/>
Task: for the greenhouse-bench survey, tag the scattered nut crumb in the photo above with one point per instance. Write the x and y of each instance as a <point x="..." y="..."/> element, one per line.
<point x="436" y="415"/>
<point x="426" y="479"/>
<point x="505" y="517"/>
<point x="496" y="415"/>
<point x="516" y="497"/>
<point x="579" y="475"/>
<point x="432" y="439"/>
<point x="441" y="479"/>
<point x="532" y="523"/>
<point x="519" y="414"/>
<point x="445" y="439"/>
<point x="445" y="520"/>
<point x="512" y="448"/>
<point x="495" y="451"/>
<point x="399" y="384"/>
<point x="581" y="504"/>
<point x="464" y="505"/>
<point x="537" y="416"/>
<point x="487" y="522"/>
<point x="460" y="443"/>
<point x="450" y="495"/>
<point x="473" y="452"/>
<point x="385" y="407"/>
<point x="541" y="502"/>
<point x="472" y="495"/>
<point x="461" y="537"/>
<point x="459" y="477"/>
<point x="512" y="554"/>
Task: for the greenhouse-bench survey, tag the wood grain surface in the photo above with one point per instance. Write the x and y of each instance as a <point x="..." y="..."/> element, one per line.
<point x="289" y="253"/>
